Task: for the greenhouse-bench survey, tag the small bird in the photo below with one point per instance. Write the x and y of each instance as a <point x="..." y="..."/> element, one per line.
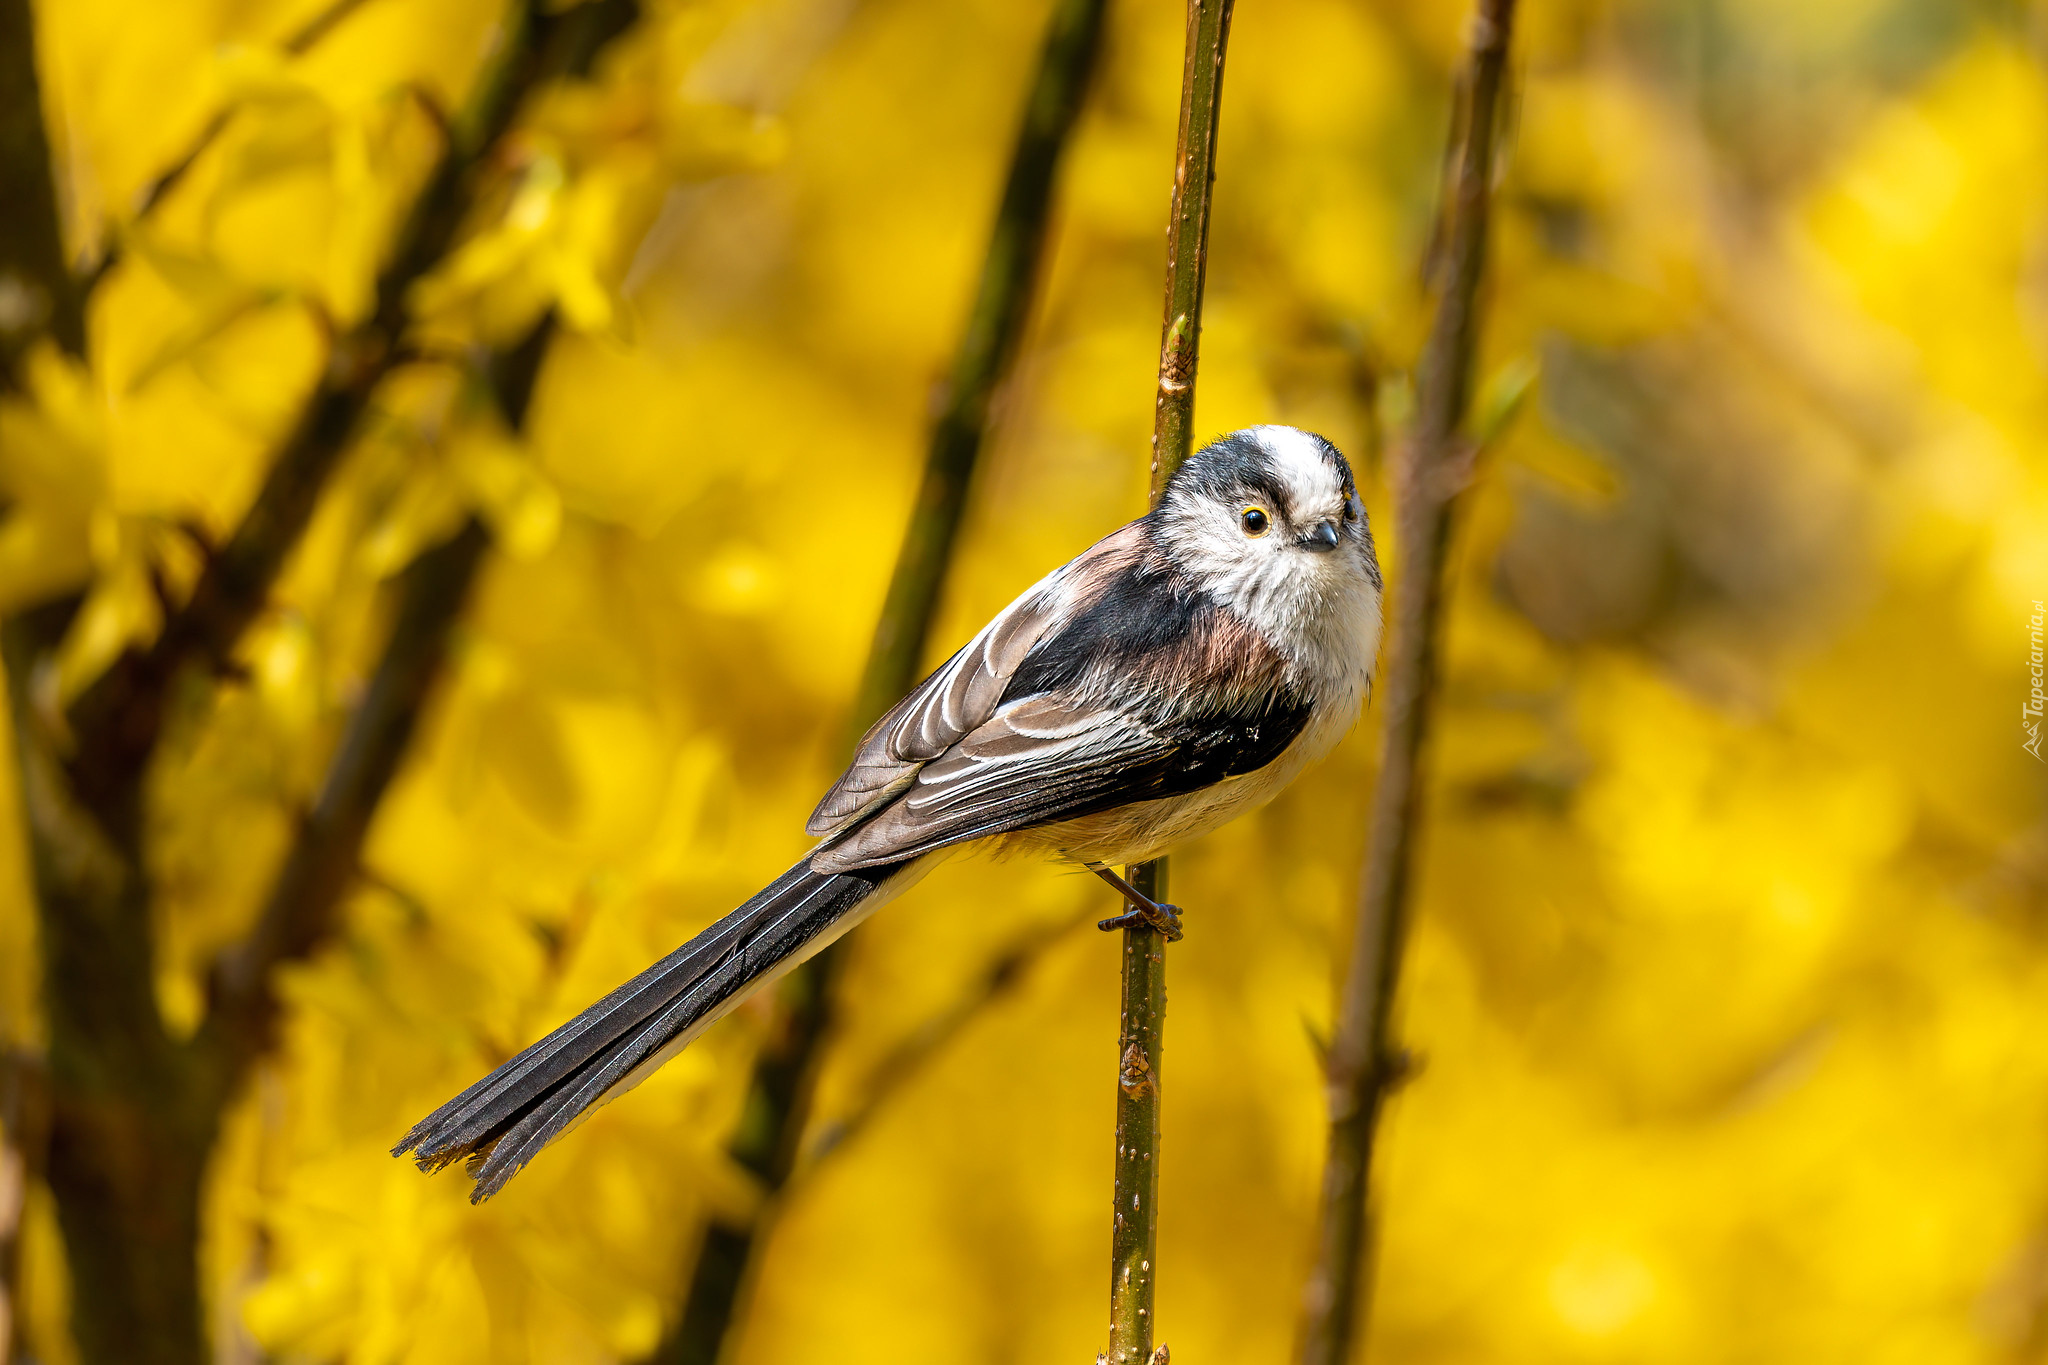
<point x="1179" y="672"/>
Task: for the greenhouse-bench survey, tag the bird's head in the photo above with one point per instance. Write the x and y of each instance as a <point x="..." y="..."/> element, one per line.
<point x="1268" y="520"/>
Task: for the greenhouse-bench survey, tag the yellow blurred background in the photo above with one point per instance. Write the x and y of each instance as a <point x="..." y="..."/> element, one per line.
<point x="1730" y="975"/>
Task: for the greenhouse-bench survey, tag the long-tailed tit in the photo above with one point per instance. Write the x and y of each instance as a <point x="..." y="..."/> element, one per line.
<point x="1176" y="674"/>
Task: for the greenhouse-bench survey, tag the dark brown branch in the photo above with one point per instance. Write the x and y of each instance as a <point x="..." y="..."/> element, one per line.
<point x="319" y="869"/>
<point x="133" y="1112"/>
<point x="1364" y="1063"/>
<point x="37" y="294"/>
<point x="119" y="718"/>
<point x="71" y="860"/>
<point x="24" y="1128"/>
<point x="785" y="1075"/>
<point x="127" y="1134"/>
<point x="1134" y="1232"/>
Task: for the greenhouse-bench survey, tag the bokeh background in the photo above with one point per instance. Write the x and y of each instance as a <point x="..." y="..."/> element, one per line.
<point x="1730" y="977"/>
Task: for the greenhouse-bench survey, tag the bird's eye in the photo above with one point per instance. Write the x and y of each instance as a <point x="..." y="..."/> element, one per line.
<point x="1255" y="522"/>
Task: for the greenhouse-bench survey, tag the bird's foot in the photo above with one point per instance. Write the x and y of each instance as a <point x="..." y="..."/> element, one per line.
<point x="1150" y="915"/>
<point x="1143" y="912"/>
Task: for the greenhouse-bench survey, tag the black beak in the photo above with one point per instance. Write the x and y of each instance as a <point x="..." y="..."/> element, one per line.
<point x="1322" y="540"/>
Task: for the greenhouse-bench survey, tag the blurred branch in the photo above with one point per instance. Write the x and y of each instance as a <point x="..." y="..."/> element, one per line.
<point x="319" y="869"/>
<point x="37" y="299"/>
<point x="126" y="1148"/>
<point x="785" y="1075"/>
<point x="24" y="1138"/>
<point x="1134" y="1229"/>
<point x="319" y="26"/>
<point x="298" y="44"/>
<point x="37" y="294"/>
<point x="901" y="1066"/>
<point x="321" y="865"/>
<point x="1363" y="1063"/>
<point x="995" y="326"/>
<point x="134" y="1112"/>
<point x="118" y="719"/>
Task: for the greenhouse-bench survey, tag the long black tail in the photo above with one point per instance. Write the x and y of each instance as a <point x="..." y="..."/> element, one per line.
<point x="504" y="1119"/>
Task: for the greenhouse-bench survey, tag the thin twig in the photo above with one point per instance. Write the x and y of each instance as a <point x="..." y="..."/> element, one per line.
<point x="320" y="867"/>
<point x="300" y="912"/>
<point x="300" y="42"/>
<point x="119" y="717"/>
<point x="1364" y="1064"/>
<point x="893" y="1075"/>
<point x="1187" y="237"/>
<point x="1134" y="1228"/>
<point x="785" y="1076"/>
<point x="306" y="35"/>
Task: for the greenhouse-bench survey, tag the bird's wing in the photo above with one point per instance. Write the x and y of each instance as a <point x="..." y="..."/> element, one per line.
<point x="963" y="693"/>
<point x="1047" y="758"/>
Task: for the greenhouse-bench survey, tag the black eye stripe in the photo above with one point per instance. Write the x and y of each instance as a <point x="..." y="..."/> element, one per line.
<point x="1266" y="493"/>
<point x="1239" y="469"/>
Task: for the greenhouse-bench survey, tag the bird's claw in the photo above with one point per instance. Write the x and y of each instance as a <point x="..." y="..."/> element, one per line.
<point x="1163" y="918"/>
<point x="1143" y="911"/>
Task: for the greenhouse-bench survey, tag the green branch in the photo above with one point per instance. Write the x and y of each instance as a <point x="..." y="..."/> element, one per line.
<point x="1187" y="236"/>
<point x="1364" y="1063"/>
<point x="771" y="1135"/>
<point x="1134" y="1235"/>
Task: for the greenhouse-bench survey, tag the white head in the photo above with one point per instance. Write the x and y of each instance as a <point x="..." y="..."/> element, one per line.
<point x="1269" y="521"/>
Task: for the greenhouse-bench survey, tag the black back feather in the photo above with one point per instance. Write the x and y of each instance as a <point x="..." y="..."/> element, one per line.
<point x="1183" y="756"/>
<point x="1141" y="613"/>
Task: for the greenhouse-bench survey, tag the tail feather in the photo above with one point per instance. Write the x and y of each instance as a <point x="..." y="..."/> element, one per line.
<point x="502" y="1121"/>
